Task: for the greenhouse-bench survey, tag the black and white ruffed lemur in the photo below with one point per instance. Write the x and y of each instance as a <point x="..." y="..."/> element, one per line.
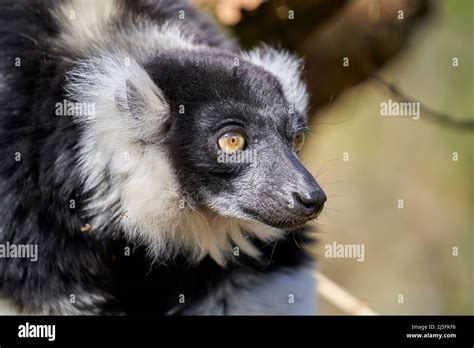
<point x="153" y="164"/>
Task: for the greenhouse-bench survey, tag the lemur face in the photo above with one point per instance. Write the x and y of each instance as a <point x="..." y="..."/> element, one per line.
<point x="233" y="138"/>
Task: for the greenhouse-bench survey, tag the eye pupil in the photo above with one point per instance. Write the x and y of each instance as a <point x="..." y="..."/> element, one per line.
<point x="231" y="142"/>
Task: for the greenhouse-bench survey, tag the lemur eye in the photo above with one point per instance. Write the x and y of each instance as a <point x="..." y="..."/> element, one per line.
<point x="231" y="142"/>
<point x="298" y="141"/>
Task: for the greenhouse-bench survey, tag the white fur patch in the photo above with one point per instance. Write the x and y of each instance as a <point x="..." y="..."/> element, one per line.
<point x="287" y="68"/>
<point x="8" y="308"/>
<point x="285" y="292"/>
<point x="85" y="20"/>
<point x="91" y="26"/>
<point x="83" y="304"/>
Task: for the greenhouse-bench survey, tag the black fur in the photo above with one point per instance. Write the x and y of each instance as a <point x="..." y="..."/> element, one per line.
<point x="143" y="288"/>
<point x="35" y="192"/>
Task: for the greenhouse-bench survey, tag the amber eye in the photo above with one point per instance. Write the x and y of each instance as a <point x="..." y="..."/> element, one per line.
<point x="231" y="142"/>
<point x="298" y="141"/>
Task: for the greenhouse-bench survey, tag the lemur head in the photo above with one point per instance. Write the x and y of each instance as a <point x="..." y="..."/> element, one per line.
<point x="233" y="136"/>
<point x="197" y="142"/>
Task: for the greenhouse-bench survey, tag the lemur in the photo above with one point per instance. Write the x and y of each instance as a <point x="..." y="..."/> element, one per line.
<point x="152" y="162"/>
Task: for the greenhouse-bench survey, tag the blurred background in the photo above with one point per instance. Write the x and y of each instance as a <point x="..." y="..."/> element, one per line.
<point x="415" y="50"/>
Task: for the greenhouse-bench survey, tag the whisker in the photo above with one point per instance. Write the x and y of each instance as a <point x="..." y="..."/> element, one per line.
<point x="271" y="255"/>
<point x="325" y="166"/>
<point x="332" y="209"/>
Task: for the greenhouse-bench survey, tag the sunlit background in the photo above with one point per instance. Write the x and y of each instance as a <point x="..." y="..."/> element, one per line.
<point x="409" y="251"/>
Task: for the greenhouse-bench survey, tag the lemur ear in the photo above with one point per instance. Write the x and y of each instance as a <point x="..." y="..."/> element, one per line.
<point x="135" y="101"/>
<point x="132" y="104"/>
<point x="126" y="99"/>
<point x="287" y="68"/>
<point x="139" y="98"/>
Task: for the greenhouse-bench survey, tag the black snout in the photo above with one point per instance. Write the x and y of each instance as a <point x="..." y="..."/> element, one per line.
<point x="295" y="195"/>
<point x="308" y="197"/>
<point x="309" y="203"/>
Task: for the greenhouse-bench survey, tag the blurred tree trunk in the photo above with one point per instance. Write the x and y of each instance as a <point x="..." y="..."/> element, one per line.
<point x="364" y="34"/>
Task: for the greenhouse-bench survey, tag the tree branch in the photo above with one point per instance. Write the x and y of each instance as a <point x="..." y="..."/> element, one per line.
<point x="340" y="298"/>
<point x="428" y="114"/>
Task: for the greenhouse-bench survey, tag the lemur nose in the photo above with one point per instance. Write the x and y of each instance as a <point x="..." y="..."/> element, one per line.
<point x="309" y="203"/>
